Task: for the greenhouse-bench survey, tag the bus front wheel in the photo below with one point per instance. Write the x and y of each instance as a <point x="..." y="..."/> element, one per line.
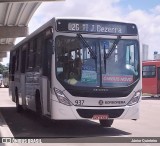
<point x="106" y="123"/>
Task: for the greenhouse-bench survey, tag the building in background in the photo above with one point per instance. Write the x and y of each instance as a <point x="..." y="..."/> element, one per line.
<point x="156" y="56"/>
<point x="145" y="52"/>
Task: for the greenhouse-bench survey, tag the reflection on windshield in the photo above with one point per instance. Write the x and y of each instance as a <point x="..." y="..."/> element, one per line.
<point x="80" y="37"/>
<point x="74" y="62"/>
<point x="122" y="68"/>
<point x="113" y="47"/>
<point x="76" y="66"/>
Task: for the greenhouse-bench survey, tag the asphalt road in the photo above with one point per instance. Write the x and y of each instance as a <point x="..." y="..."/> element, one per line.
<point x="27" y="124"/>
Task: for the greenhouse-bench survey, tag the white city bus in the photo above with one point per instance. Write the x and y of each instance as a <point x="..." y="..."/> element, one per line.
<point x="78" y="69"/>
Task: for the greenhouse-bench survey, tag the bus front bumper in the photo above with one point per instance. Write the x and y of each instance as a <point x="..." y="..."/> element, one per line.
<point x="60" y="111"/>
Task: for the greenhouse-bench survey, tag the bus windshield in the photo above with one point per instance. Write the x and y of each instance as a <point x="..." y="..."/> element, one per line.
<point x="76" y="66"/>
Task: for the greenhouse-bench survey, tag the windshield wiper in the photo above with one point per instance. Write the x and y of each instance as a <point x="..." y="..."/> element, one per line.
<point x="93" y="55"/>
<point x="107" y="55"/>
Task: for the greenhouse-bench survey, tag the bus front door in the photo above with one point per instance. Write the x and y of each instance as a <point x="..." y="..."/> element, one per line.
<point x="46" y="80"/>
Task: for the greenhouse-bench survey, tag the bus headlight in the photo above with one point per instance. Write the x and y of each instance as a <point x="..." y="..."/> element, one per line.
<point x="135" y="98"/>
<point x="62" y="98"/>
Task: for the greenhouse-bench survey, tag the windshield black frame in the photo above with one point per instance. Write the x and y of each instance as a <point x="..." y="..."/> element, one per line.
<point x="100" y="85"/>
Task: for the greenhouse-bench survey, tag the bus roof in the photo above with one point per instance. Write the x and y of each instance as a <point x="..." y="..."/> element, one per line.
<point x="51" y="23"/>
<point x="89" y="19"/>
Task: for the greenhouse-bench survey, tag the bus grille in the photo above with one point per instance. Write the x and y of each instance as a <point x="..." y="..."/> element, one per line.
<point x="88" y="113"/>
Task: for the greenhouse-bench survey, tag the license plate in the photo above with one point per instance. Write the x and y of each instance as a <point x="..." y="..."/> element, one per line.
<point x="100" y="117"/>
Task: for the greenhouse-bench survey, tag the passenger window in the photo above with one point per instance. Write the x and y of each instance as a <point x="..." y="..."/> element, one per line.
<point x="47" y="57"/>
<point x="149" y="71"/>
<point x="13" y="67"/>
<point x="30" y="56"/>
<point x="23" y="61"/>
<point x="38" y="52"/>
<point x="130" y="59"/>
<point x="17" y="61"/>
<point x="34" y="52"/>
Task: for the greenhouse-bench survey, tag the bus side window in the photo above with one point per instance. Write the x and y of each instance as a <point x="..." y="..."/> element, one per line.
<point x="34" y="55"/>
<point x="38" y="52"/>
<point x="13" y="67"/>
<point x="30" y="63"/>
<point x="17" y="61"/>
<point x="23" y="61"/>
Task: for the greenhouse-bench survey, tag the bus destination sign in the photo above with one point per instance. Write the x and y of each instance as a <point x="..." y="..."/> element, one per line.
<point x="91" y="26"/>
<point x="99" y="28"/>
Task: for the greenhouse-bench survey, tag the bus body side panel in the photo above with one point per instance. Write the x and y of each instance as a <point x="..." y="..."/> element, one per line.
<point x="29" y="88"/>
<point x="150" y="85"/>
<point x="45" y="95"/>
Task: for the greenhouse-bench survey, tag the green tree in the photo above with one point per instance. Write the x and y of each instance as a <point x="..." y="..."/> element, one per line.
<point x="3" y="68"/>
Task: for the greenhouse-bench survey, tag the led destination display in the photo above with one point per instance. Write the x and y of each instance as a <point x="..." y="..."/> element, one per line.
<point x="90" y="26"/>
<point x="101" y="28"/>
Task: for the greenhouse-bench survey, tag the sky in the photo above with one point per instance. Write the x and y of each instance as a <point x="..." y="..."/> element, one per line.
<point x="144" y="13"/>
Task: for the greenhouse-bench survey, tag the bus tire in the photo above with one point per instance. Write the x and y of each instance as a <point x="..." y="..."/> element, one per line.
<point x="106" y="123"/>
<point x="19" y="108"/>
<point x="38" y="104"/>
